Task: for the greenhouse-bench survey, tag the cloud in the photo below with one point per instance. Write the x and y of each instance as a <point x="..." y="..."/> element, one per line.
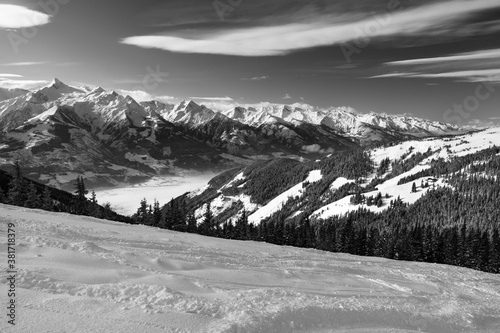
<point x="18" y="17"/>
<point x="142" y="96"/>
<point x="432" y="19"/>
<point x="389" y="75"/>
<point x="315" y="148"/>
<point x="226" y="99"/>
<point x="256" y="78"/>
<point x="474" y="75"/>
<point x="22" y="84"/>
<point x="10" y="75"/>
<point x="29" y="63"/>
<point x="477" y="66"/>
<point x="477" y="55"/>
<point x="287" y="96"/>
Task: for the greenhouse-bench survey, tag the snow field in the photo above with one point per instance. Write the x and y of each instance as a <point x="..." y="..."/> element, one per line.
<point x="80" y="274"/>
<point x="126" y="200"/>
<point x="457" y="146"/>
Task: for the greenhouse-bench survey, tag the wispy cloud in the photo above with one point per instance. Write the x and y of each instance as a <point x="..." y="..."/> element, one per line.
<point x="142" y="96"/>
<point x="287" y="96"/>
<point x="390" y="75"/>
<point x="28" y="63"/>
<point x="10" y="75"/>
<point x="479" y="75"/>
<point x="477" y="55"/>
<point x="228" y="99"/>
<point x="477" y="66"/>
<point x="22" y="84"/>
<point x="256" y="78"/>
<point x="486" y="74"/>
<point x="18" y="17"/>
<point x="434" y="18"/>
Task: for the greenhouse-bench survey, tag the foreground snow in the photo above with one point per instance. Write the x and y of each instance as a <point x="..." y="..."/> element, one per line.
<point x="79" y="274"/>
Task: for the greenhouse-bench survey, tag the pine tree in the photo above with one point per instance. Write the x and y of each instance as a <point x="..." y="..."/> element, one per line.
<point x="93" y="198"/>
<point x="142" y="212"/>
<point x="378" y="200"/>
<point x="170" y="213"/>
<point x="17" y="194"/>
<point x="81" y="199"/>
<point x="47" y="203"/>
<point x="32" y="199"/>
<point x="495" y="252"/>
<point x="191" y="223"/>
<point x="2" y="195"/>
<point x="242" y="226"/>
<point x="107" y="212"/>
<point x="414" y="188"/>
<point x="94" y="207"/>
<point x="207" y="225"/>
<point x="157" y="216"/>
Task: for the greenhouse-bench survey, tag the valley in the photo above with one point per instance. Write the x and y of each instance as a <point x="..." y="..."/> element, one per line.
<point x="125" y="200"/>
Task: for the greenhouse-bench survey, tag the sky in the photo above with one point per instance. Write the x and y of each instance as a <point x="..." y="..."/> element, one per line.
<point x="435" y="59"/>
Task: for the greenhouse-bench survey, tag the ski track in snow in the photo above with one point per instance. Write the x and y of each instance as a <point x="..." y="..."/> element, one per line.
<point x="80" y="274"/>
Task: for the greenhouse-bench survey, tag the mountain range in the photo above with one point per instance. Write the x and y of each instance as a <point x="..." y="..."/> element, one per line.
<point x="60" y="131"/>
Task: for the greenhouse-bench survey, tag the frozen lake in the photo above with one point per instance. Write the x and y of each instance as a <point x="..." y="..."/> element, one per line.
<point x="126" y="200"/>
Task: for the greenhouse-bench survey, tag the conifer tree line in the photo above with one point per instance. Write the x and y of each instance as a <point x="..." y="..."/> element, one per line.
<point x="457" y="224"/>
<point x="20" y="191"/>
<point x="442" y="227"/>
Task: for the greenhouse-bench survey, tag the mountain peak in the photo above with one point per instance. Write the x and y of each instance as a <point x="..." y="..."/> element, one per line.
<point x="97" y="91"/>
<point x="187" y="106"/>
<point x="56" y="83"/>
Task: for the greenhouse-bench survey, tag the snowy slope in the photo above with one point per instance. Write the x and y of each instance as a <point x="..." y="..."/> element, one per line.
<point x="446" y="148"/>
<point x="277" y="203"/>
<point x="80" y="274"/>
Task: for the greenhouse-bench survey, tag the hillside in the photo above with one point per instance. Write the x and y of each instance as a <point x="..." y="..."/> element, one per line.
<point x="83" y="274"/>
<point x="325" y="187"/>
<point x="114" y="140"/>
<point x="432" y="200"/>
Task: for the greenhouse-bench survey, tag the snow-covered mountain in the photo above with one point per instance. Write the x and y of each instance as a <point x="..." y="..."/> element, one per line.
<point x="344" y="119"/>
<point x="116" y="139"/>
<point x="326" y="187"/>
<point x="60" y="131"/>
<point x="81" y="274"/>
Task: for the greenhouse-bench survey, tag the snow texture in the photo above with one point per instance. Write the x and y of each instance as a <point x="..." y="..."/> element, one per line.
<point x="81" y="274"/>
